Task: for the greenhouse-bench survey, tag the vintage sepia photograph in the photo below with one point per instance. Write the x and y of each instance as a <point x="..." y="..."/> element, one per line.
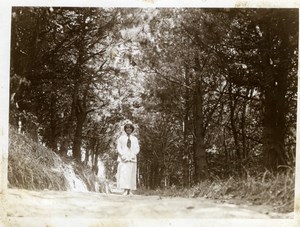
<point x="153" y="115"/>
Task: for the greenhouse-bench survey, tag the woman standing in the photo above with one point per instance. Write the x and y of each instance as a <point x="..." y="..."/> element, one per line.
<point x="127" y="147"/>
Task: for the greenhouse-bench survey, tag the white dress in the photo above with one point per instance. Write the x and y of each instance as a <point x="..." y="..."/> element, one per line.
<point x="127" y="166"/>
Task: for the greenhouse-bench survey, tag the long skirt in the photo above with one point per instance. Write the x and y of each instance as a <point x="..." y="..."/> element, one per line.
<point x="126" y="175"/>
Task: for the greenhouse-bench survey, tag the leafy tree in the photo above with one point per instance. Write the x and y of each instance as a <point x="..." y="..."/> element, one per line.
<point x="212" y="91"/>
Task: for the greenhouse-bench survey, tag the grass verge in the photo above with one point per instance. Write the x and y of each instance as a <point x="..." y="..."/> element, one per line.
<point x="34" y="167"/>
<point x="276" y="191"/>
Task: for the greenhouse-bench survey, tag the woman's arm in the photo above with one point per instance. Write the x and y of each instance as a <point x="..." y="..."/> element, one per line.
<point x="136" y="146"/>
<point x="120" y="149"/>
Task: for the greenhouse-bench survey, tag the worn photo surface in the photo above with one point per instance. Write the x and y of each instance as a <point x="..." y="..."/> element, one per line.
<point x="148" y="113"/>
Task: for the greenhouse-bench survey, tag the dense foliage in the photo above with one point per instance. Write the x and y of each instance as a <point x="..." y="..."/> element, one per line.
<point x="212" y="91"/>
<point x="227" y="78"/>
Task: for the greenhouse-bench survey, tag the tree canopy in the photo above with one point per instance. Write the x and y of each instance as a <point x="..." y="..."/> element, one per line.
<point x="212" y="91"/>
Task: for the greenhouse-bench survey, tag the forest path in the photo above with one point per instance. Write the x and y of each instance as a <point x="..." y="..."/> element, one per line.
<point x="61" y="208"/>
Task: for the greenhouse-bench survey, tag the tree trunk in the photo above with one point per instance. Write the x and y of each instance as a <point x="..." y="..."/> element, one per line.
<point x="154" y="176"/>
<point x="233" y="102"/>
<point x="78" y="136"/>
<point x="200" y="163"/>
<point x="243" y="123"/>
<point x="275" y="84"/>
<point x="274" y="125"/>
<point x="86" y="158"/>
<point x="186" y="148"/>
<point x="68" y="128"/>
<point x="53" y="125"/>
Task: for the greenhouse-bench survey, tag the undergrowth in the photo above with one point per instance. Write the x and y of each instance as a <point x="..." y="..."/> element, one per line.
<point x="34" y="167"/>
<point x="276" y="191"/>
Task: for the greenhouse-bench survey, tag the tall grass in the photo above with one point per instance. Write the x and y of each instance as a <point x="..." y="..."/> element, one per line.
<point x="31" y="166"/>
<point x="274" y="190"/>
<point x="35" y="167"/>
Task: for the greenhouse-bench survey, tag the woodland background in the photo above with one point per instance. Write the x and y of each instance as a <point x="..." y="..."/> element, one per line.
<point x="212" y="92"/>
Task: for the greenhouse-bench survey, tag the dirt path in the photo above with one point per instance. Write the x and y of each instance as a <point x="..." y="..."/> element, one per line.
<point x="53" y="208"/>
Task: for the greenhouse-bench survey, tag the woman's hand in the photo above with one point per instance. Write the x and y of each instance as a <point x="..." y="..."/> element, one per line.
<point x="127" y="157"/>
